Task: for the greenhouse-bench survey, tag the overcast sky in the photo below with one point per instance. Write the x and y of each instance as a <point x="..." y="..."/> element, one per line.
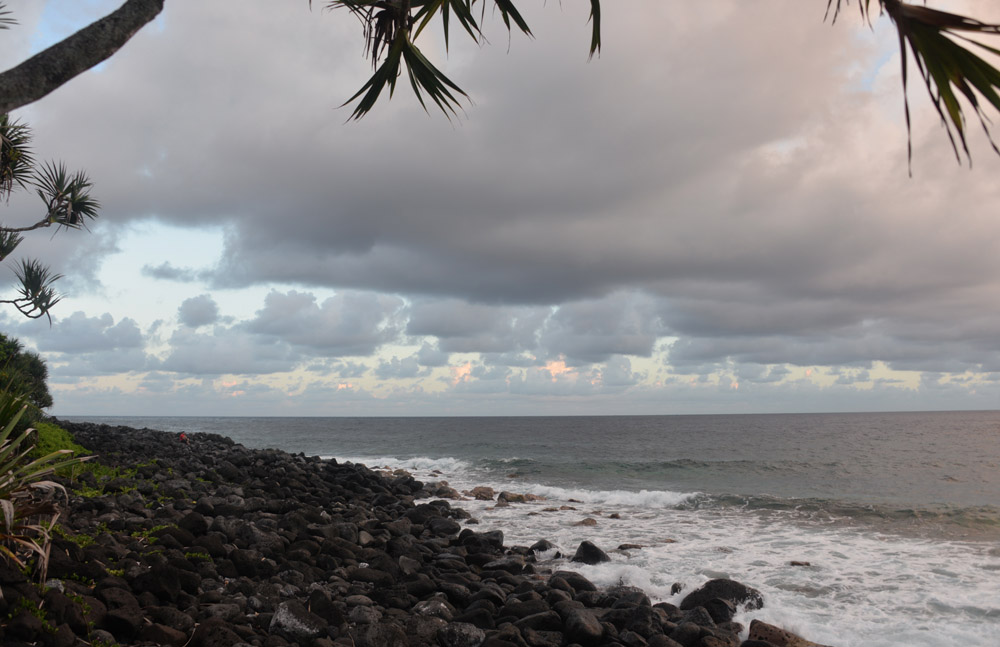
<point x="714" y="215"/>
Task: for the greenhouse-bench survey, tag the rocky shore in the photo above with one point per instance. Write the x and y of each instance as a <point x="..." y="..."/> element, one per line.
<point x="206" y="543"/>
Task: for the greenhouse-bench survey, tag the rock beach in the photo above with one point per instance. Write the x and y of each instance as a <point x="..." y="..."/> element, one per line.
<point x="211" y="544"/>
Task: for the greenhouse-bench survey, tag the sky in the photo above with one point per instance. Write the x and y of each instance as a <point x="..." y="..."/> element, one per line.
<point x="713" y="216"/>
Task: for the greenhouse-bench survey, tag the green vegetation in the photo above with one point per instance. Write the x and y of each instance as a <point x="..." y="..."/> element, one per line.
<point x="67" y="203"/>
<point x="51" y="437"/>
<point x="81" y="539"/>
<point x="22" y="371"/>
<point x="25" y="605"/>
<point x="28" y="509"/>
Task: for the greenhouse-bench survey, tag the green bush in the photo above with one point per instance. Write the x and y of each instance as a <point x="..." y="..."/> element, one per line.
<point x="51" y="437"/>
<point x="28" y="509"/>
<point x="24" y="372"/>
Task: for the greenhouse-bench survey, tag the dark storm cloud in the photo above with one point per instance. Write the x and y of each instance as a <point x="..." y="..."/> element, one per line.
<point x="197" y="311"/>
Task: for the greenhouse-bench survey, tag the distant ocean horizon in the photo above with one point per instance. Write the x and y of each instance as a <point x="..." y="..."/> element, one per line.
<point x="896" y="514"/>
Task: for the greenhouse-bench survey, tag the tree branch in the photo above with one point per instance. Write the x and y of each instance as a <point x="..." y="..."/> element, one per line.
<point x="47" y="70"/>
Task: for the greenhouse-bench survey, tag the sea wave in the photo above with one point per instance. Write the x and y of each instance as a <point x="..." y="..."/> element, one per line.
<point x="940" y="521"/>
<point x="643" y="498"/>
<point x="445" y="464"/>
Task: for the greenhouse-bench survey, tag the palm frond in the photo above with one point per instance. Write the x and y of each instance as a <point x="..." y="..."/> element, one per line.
<point x="462" y="10"/>
<point x="508" y="13"/>
<point x="67" y="197"/>
<point x="427" y="78"/>
<point x="948" y="68"/>
<point x="863" y="6"/>
<point x="385" y="76"/>
<point x="9" y="240"/>
<point x="391" y="28"/>
<point x="595" y="24"/>
<point x="37" y="296"/>
<point x="5" y="17"/>
<point x="16" y="161"/>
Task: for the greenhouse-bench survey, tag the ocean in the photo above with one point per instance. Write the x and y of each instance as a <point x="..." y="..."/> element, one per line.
<point x="892" y="519"/>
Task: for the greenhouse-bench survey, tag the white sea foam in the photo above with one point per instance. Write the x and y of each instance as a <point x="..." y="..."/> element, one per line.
<point x="645" y="498"/>
<point x="422" y="464"/>
<point x="860" y="588"/>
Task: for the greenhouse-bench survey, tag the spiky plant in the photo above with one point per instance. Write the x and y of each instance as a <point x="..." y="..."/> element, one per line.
<point x="937" y="41"/>
<point x="16" y="162"/>
<point x="6" y="20"/>
<point x="68" y="204"/>
<point x="28" y="501"/>
<point x="391" y="27"/>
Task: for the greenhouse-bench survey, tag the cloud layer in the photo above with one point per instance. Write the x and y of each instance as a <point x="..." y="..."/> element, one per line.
<point x="721" y="195"/>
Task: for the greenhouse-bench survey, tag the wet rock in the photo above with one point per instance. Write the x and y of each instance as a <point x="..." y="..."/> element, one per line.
<point x="292" y="620"/>
<point x="443" y="527"/>
<point x="687" y="634"/>
<point x="513" y="564"/>
<point x="582" y="627"/>
<point x="171" y="617"/>
<point x="436" y="608"/>
<point x="588" y="553"/>
<point x="382" y="634"/>
<point x="777" y="636"/>
<point x="423" y="630"/>
<point x="124" y="622"/>
<point x="725" y="589"/>
<point x="162" y="580"/>
<point x="461" y="634"/>
<point x="699" y="616"/>
<point x="162" y="635"/>
<point x="542" y="545"/>
<point x="720" y="610"/>
<point x="547" y="620"/>
<point x="575" y="581"/>
<point x="63" y="610"/>
<point x="481" y="493"/>
<point x="511" y="497"/>
<point x="214" y="633"/>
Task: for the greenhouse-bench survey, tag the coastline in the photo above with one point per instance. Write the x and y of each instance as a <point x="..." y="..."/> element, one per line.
<point x="210" y="543"/>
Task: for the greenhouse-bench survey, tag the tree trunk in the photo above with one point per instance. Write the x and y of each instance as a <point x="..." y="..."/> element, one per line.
<point x="47" y="70"/>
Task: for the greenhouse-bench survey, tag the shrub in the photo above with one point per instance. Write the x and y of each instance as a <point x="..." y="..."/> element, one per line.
<point x="50" y="438"/>
<point x="28" y="508"/>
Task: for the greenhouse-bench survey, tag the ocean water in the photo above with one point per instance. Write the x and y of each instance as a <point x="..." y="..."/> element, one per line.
<point x="897" y="515"/>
